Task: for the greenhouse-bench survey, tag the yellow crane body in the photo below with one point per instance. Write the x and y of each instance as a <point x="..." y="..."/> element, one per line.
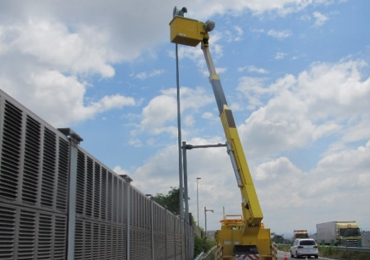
<point x="245" y="237"/>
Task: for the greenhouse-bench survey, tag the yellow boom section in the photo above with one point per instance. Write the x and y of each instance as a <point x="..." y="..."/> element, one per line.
<point x="251" y="207"/>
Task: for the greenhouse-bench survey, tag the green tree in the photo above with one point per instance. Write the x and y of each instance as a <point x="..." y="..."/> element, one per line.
<point x="171" y="200"/>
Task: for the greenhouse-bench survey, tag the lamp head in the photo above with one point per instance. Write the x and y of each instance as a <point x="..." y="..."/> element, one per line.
<point x="209" y="25"/>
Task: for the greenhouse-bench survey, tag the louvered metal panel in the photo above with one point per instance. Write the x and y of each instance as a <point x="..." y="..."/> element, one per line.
<point x="103" y="198"/>
<point x="60" y="230"/>
<point x="28" y="233"/>
<point x="103" y="241"/>
<point x="96" y="241"/>
<point x="109" y="196"/>
<point x="44" y="246"/>
<point x="11" y="151"/>
<point x="31" y="161"/>
<point x="79" y="241"/>
<point x="35" y="188"/>
<point x="159" y="215"/>
<point x="34" y="159"/>
<point x="8" y="231"/>
<point x="89" y="187"/>
<point x="80" y="193"/>
<point x="115" y="199"/>
<point x="48" y="169"/>
<point x="97" y="190"/>
<point x="170" y="234"/>
<point x="178" y="238"/>
<point x="88" y="240"/>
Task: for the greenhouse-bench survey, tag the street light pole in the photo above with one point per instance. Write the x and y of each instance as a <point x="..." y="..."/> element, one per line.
<point x="205" y="220"/>
<point x="198" y="178"/>
<point x="181" y="191"/>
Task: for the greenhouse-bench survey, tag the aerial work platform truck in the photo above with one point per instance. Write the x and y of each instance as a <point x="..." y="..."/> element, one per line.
<point x="244" y="237"/>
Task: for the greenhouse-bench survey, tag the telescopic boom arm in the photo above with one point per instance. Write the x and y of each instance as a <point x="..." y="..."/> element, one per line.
<point x="190" y="32"/>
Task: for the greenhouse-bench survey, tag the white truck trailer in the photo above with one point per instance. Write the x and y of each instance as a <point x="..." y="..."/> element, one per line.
<point x="339" y="233"/>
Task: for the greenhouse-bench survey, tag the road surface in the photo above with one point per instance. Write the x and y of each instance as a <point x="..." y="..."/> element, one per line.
<point x="281" y="256"/>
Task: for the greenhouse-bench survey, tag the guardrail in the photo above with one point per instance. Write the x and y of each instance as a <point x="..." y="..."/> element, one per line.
<point x="354" y="249"/>
<point x="200" y="256"/>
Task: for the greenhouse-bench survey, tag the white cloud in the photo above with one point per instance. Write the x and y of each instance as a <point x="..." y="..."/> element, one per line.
<point x="208" y="115"/>
<point x="50" y="43"/>
<point x="145" y="75"/>
<point x="320" y="19"/>
<point x="258" y="70"/>
<point x="279" y="7"/>
<point x="121" y="171"/>
<point x="296" y="114"/>
<point x="74" y="41"/>
<point x="234" y="36"/>
<point x="189" y="120"/>
<point x="253" y="89"/>
<point x="135" y="142"/>
<point x="279" y="34"/>
<point x="162" y="109"/>
<point x="280" y="55"/>
<point x="291" y="188"/>
<point x="337" y="177"/>
<point x="60" y="93"/>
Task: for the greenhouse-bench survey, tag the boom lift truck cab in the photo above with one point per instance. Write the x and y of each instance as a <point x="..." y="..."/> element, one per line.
<point x="244" y="237"/>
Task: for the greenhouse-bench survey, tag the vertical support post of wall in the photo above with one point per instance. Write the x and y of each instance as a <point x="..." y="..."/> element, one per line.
<point x="128" y="228"/>
<point x="152" y="225"/>
<point x="174" y="237"/>
<point x="74" y="141"/>
<point x="165" y="232"/>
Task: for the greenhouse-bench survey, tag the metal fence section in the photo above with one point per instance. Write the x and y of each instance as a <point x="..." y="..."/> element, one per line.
<point x="59" y="202"/>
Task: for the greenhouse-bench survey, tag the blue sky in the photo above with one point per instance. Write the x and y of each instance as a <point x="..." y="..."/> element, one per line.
<point x="295" y="73"/>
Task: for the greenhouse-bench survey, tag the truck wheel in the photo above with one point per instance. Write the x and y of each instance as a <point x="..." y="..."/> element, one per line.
<point x="316" y="256"/>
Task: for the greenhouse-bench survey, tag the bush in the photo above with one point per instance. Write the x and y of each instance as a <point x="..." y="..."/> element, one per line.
<point x="202" y="245"/>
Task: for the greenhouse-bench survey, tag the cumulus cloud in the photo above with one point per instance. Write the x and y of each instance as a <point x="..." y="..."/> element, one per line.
<point x="257" y="70"/>
<point x="145" y="75"/>
<point x="235" y="35"/>
<point x="72" y="42"/>
<point x="252" y="89"/>
<point x="341" y="176"/>
<point x="161" y="111"/>
<point x="280" y="55"/>
<point x="284" y="190"/>
<point x="62" y="98"/>
<point x="44" y="66"/>
<point x="279" y="34"/>
<point x="295" y="114"/>
<point x="320" y="19"/>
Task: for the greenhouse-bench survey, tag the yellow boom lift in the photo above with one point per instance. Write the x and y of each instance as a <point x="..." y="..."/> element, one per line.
<point x="244" y="237"/>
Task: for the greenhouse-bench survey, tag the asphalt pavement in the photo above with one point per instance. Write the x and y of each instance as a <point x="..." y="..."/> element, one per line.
<point x="281" y="256"/>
